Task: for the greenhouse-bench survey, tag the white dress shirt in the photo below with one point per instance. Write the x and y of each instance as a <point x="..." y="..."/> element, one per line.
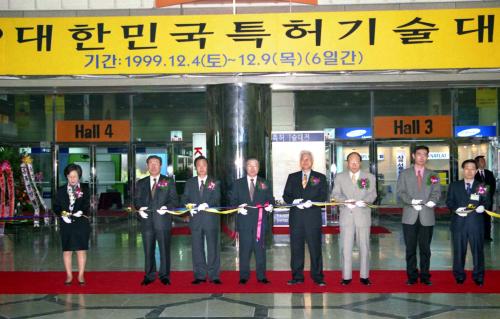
<point x="356" y="175"/>
<point x="249" y="181"/>
<point x="204" y="180"/>
<point x="152" y="181"/>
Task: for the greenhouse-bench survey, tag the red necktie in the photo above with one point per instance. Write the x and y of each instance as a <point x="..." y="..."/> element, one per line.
<point x="419" y="180"/>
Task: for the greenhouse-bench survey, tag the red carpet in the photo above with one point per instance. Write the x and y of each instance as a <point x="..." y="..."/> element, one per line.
<point x="335" y="230"/>
<point x="184" y="230"/>
<point x="128" y="282"/>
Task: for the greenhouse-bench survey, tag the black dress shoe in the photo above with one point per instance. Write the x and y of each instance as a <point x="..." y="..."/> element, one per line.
<point x="320" y="283"/>
<point x="345" y="282"/>
<point x="216" y="282"/>
<point x="68" y="283"/>
<point x="426" y="282"/>
<point x="264" y="281"/>
<point x="165" y="281"/>
<point x="411" y="282"/>
<point x="198" y="281"/>
<point x="295" y="282"/>
<point x="479" y="283"/>
<point x="460" y="281"/>
<point x="146" y="282"/>
<point x="243" y="281"/>
<point x="365" y="281"/>
<point x="81" y="283"/>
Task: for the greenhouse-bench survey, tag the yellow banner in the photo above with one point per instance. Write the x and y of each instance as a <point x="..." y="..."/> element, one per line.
<point x="286" y="42"/>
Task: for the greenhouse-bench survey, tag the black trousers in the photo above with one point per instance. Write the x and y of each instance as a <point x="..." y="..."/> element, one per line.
<point x="414" y="235"/>
<point x="472" y="234"/>
<point x="149" y="239"/>
<point x="249" y="245"/>
<point x="487" y="225"/>
<point x="208" y="265"/>
<point x="302" y="232"/>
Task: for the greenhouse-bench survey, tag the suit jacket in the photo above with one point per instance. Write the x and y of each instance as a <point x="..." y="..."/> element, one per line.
<point x="240" y="194"/>
<point x="489" y="179"/>
<point x="457" y="197"/>
<point x="164" y="196"/>
<point x="211" y="196"/>
<point x="344" y="189"/>
<point x="316" y="191"/>
<point x="61" y="203"/>
<point x="407" y="189"/>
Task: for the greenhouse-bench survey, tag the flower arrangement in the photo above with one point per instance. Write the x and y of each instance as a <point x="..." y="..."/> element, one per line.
<point x="262" y="185"/>
<point x="363" y="183"/>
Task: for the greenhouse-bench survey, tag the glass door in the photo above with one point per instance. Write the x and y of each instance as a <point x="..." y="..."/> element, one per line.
<point x="112" y="181"/>
<point x="469" y="149"/>
<point x="392" y="158"/>
<point x="106" y="170"/>
<point x="395" y="156"/>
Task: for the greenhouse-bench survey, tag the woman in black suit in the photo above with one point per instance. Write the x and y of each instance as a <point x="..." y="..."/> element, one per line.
<point x="72" y="204"/>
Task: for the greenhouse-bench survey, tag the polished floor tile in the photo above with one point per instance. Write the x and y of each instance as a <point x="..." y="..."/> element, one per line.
<point x="117" y="245"/>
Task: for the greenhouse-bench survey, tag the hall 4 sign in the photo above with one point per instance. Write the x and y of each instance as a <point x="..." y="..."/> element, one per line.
<point x="438" y="126"/>
<point x="93" y="131"/>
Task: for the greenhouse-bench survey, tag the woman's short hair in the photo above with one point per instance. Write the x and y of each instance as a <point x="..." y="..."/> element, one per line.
<point x="73" y="167"/>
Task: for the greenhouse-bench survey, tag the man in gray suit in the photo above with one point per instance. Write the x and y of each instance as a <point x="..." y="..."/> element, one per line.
<point x="419" y="190"/>
<point x="358" y="189"/>
<point x="203" y="191"/>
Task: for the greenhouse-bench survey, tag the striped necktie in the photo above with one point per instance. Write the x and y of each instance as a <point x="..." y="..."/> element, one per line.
<point x="304" y="181"/>
<point x="153" y="189"/>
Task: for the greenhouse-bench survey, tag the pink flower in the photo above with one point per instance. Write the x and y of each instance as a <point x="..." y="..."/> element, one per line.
<point x="481" y="190"/>
<point x="433" y="179"/>
<point x="363" y="183"/>
<point x="162" y="184"/>
<point x="78" y="192"/>
<point x="263" y="185"/>
<point x="211" y="185"/>
<point x="314" y="181"/>
<point x="6" y="166"/>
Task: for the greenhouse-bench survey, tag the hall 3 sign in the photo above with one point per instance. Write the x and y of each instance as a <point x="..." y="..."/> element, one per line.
<point x="93" y="131"/>
<point x="439" y="126"/>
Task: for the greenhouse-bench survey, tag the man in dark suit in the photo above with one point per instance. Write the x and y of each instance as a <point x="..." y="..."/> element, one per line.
<point x="155" y="194"/>
<point x="467" y="199"/>
<point x="251" y="222"/>
<point x="486" y="176"/>
<point x="301" y="189"/>
<point x="202" y="192"/>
